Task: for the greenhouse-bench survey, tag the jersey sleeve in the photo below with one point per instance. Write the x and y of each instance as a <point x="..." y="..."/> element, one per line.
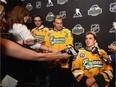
<point x="69" y="39"/>
<point x="47" y="37"/>
<point x="77" y="72"/>
<point x="105" y="75"/>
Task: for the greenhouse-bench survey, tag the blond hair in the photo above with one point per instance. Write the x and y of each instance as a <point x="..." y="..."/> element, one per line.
<point x="57" y="17"/>
<point x="92" y="33"/>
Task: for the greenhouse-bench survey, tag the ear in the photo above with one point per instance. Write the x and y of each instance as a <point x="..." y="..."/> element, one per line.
<point x="95" y="41"/>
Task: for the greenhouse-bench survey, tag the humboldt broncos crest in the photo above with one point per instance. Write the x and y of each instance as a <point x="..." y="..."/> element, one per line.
<point x="87" y="64"/>
<point x="54" y="40"/>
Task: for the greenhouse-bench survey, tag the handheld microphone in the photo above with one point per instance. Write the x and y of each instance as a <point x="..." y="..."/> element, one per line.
<point x="95" y="51"/>
<point x="70" y="50"/>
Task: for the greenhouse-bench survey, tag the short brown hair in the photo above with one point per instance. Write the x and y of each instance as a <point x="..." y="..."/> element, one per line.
<point x="38" y="16"/>
<point x="92" y="33"/>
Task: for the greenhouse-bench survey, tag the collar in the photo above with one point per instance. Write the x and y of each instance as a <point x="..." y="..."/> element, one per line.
<point x="58" y="30"/>
<point x="39" y="28"/>
<point x="87" y="49"/>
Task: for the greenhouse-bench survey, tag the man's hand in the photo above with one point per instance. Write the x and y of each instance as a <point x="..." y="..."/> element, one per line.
<point x="29" y="41"/>
<point x="95" y="85"/>
<point x="66" y="55"/>
<point x="112" y="48"/>
<point x="104" y="56"/>
<point x="91" y="82"/>
<point x="53" y="50"/>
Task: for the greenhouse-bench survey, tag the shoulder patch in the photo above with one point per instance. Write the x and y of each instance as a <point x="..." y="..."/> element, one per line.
<point x="49" y="33"/>
<point x="82" y="55"/>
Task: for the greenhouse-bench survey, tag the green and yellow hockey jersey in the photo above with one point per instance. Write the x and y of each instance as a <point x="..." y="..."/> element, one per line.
<point x="90" y="65"/>
<point x="39" y="34"/>
<point x="59" y="40"/>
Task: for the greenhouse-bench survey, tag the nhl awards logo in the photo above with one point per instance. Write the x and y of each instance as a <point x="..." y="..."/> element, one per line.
<point x="94" y="10"/>
<point x="29" y="6"/>
<point x="78" y="29"/>
<point x="61" y="2"/>
<point x="50" y="17"/>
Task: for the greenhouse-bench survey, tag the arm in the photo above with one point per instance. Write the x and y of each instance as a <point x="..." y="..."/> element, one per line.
<point x="105" y="75"/>
<point x="12" y="49"/>
<point x="77" y="70"/>
<point x="37" y="45"/>
<point x="43" y="47"/>
<point x="108" y="57"/>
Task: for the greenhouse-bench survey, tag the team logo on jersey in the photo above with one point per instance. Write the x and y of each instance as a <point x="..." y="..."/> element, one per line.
<point x="63" y="14"/>
<point x="94" y="10"/>
<point x="112" y="7"/>
<point x="87" y="64"/>
<point x="61" y="1"/>
<point x="77" y="14"/>
<point x="95" y="28"/>
<point x="49" y="4"/>
<point x="38" y="4"/>
<point x="29" y="6"/>
<point x="78" y="29"/>
<point x="39" y="37"/>
<point x="82" y="55"/>
<point x="54" y="40"/>
<point x="113" y="29"/>
<point x="50" y="17"/>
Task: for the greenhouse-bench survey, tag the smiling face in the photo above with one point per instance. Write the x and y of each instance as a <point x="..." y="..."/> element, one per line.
<point x="90" y="40"/>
